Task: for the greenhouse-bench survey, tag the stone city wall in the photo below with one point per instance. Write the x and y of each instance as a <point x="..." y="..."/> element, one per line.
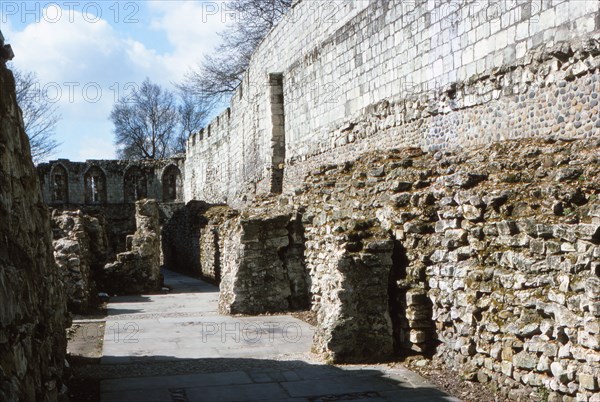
<point x="487" y="257"/>
<point x="358" y="76"/>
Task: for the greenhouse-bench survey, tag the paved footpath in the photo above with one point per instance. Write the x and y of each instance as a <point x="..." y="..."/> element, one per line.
<point x="177" y="348"/>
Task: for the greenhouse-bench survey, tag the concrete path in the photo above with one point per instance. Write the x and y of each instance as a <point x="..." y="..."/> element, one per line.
<point x="176" y="348"/>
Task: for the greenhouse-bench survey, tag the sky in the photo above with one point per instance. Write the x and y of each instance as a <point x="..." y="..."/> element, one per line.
<point x="88" y="54"/>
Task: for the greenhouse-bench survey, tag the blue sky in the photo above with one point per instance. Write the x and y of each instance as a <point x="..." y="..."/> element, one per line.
<point x="88" y="53"/>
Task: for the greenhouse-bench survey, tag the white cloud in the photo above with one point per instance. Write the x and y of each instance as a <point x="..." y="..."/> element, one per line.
<point x="192" y="29"/>
<point x="90" y="62"/>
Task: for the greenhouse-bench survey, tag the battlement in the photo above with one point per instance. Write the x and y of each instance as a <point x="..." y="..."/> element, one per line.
<point x="367" y="75"/>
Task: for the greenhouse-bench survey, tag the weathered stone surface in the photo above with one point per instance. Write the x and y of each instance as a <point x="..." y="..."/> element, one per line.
<point x="500" y="237"/>
<point x="137" y="271"/>
<point x="525" y="360"/>
<point x="33" y="315"/>
<point x="497" y="79"/>
<point x="180" y="237"/>
<point x="254" y="278"/>
<point x="80" y="251"/>
<point x="118" y="181"/>
<point x="498" y="278"/>
<point x="485" y="266"/>
<point x="350" y="292"/>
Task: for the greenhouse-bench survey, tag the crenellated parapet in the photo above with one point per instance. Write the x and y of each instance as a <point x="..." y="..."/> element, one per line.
<point x="335" y="80"/>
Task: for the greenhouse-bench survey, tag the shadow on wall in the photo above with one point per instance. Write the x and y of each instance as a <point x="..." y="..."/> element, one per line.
<point x="294" y="264"/>
<point x="180" y="238"/>
<point x="410" y="309"/>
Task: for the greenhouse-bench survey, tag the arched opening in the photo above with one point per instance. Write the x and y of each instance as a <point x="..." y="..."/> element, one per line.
<point x="95" y="186"/>
<point x="135" y="184"/>
<point x="172" y="184"/>
<point x="60" y="184"/>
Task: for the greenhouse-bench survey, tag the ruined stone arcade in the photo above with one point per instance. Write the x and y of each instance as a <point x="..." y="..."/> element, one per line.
<point x="458" y="220"/>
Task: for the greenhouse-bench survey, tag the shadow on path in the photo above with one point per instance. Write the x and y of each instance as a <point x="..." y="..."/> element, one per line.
<point x="176" y="347"/>
<point x="260" y="380"/>
<point x="178" y="283"/>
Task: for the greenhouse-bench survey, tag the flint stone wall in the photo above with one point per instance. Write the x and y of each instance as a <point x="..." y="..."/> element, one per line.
<point x="33" y="315"/>
<point x="492" y="256"/>
<point x="361" y="76"/>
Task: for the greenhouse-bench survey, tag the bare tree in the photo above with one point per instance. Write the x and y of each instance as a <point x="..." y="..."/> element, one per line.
<point x="152" y="123"/>
<point x="39" y="115"/>
<point x="219" y="75"/>
<point x="145" y="122"/>
<point x="193" y="112"/>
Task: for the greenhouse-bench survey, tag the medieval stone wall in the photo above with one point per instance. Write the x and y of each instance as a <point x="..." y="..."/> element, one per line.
<point x="485" y="257"/>
<point x="358" y="76"/>
<point x="80" y="252"/>
<point x="105" y="182"/>
<point x="33" y="315"/>
<point x="488" y="257"/>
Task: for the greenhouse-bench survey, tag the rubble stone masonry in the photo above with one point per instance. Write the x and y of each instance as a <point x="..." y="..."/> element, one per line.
<point x="33" y="315"/>
<point x="440" y="186"/>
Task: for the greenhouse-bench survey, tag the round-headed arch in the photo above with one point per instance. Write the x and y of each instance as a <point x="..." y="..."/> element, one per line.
<point x="95" y="185"/>
<point x="59" y="183"/>
<point x="135" y="184"/>
<point x="172" y="185"/>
